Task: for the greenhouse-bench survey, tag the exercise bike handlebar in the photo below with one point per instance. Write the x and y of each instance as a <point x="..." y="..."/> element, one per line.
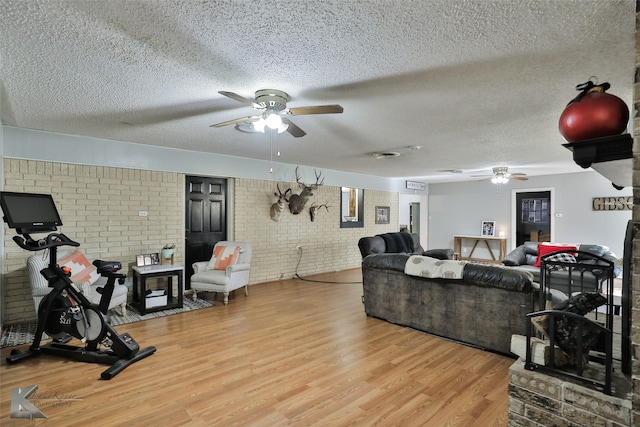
<point x="53" y="240"/>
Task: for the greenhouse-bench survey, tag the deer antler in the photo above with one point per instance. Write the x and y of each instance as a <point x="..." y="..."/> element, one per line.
<point x="318" y="184"/>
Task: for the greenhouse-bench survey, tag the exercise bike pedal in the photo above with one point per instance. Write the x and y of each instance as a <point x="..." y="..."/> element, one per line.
<point x="124" y="345"/>
<point x="63" y="340"/>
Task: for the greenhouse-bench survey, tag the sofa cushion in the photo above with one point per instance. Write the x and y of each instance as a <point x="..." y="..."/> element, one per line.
<point x="438" y="253"/>
<point x="518" y="256"/>
<point x="398" y="242"/>
<point x="371" y="245"/>
<point x="394" y="262"/>
<point x="531" y="248"/>
<point x="597" y="250"/>
<point x="497" y="276"/>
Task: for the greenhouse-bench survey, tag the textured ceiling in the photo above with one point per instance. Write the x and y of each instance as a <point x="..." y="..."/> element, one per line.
<point x="474" y="83"/>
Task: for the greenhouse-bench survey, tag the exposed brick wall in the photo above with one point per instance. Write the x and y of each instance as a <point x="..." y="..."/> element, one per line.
<point x="99" y="208"/>
<point x="537" y="399"/>
<point x="326" y="246"/>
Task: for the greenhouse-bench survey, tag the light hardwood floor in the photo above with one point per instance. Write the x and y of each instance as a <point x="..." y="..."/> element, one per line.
<point x="293" y="353"/>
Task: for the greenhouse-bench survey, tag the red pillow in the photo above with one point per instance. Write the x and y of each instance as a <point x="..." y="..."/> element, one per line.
<point x="548" y="249"/>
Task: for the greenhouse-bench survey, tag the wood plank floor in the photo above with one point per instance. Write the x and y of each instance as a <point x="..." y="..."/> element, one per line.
<point x="293" y="353"/>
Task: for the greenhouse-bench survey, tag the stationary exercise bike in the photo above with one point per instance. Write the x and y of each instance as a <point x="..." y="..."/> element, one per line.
<point x="66" y="313"/>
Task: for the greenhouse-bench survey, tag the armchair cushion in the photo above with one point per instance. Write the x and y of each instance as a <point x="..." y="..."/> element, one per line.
<point x="228" y="269"/>
<point x="84" y="276"/>
<point x="81" y="269"/>
<point x="223" y="256"/>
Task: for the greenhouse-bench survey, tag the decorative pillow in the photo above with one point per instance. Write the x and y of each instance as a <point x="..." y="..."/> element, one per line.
<point x="548" y="249"/>
<point x="561" y="257"/>
<point x="223" y="256"/>
<point x="518" y="256"/>
<point x="81" y="269"/>
<point x="439" y="253"/>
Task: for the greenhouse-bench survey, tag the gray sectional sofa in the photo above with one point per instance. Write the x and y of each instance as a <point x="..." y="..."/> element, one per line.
<point x="524" y="258"/>
<point x="483" y="308"/>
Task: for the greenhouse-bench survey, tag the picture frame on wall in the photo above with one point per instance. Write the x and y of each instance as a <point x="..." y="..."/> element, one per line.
<point x="488" y="228"/>
<point x="382" y="214"/>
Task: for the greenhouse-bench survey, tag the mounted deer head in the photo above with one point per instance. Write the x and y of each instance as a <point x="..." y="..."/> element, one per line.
<point x="313" y="209"/>
<point x="278" y="207"/>
<point x="298" y="201"/>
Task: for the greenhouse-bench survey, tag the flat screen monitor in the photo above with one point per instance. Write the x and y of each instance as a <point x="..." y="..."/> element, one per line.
<point x="29" y="211"/>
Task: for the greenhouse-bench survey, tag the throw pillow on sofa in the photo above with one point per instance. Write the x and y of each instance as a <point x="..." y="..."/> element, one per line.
<point x="561" y="257"/>
<point x="518" y="256"/>
<point x="546" y="249"/>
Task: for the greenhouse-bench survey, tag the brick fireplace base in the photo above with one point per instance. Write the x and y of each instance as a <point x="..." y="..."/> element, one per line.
<point x="537" y="399"/>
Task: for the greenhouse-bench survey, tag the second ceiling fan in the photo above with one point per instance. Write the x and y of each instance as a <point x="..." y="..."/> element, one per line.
<point x="272" y="105"/>
<point x="500" y="175"/>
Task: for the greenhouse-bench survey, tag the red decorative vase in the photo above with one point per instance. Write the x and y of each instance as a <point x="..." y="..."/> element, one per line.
<point x="593" y="114"/>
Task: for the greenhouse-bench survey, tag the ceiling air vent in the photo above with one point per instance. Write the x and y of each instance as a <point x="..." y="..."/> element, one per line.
<point x="385" y="154"/>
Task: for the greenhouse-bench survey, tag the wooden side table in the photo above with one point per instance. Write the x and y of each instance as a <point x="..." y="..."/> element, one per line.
<point x="140" y="276"/>
<point x="457" y="247"/>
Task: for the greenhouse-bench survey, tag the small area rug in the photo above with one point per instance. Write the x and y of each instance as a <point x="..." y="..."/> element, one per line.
<point x="23" y="333"/>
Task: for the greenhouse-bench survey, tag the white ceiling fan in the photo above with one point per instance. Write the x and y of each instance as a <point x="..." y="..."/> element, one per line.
<point x="501" y="176"/>
<point x="272" y="105"/>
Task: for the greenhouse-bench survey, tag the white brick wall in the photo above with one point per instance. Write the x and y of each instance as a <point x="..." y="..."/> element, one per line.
<point x="99" y="208"/>
<point x="326" y="246"/>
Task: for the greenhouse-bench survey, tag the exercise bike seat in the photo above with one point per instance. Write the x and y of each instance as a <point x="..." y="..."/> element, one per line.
<point x="106" y="267"/>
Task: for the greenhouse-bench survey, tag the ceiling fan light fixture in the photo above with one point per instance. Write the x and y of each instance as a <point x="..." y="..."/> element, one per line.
<point x="273" y="120"/>
<point x="283" y="127"/>
<point x="499" y="179"/>
<point x="259" y="125"/>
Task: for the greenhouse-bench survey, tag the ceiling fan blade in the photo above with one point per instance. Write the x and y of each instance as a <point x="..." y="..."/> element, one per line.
<point x="242" y="99"/>
<point x="293" y="129"/>
<point x="517" y="174"/>
<point x="234" y="121"/>
<point x="318" y="109"/>
<point x="518" y="178"/>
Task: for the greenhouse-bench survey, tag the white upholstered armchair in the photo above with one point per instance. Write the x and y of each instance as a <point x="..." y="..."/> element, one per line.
<point x="227" y="270"/>
<point x="83" y="275"/>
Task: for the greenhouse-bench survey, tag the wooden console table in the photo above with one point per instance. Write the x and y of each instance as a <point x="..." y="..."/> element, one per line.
<point x="502" y="241"/>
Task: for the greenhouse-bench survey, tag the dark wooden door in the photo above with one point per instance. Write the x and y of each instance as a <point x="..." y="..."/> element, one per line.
<point x="206" y="219"/>
<point x="533" y="216"/>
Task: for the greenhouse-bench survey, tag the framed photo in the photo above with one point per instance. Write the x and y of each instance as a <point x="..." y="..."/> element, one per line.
<point x="147" y="259"/>
<point x="155" y="258"/>
<point x="382" y="214"/>
<point x="488" y="228"/>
